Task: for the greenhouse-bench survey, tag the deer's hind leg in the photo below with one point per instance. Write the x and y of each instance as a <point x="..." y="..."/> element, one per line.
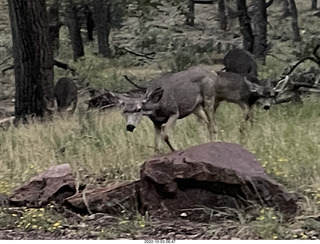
<point x="209" y="109"/>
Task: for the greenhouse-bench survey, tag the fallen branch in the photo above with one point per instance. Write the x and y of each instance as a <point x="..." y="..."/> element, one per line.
<point x="7" y="119"/>
<point x="305" y="89"/>
<point x="64" y="66"/>
<point x="6" y="59"/>
<point x="134" y="84"/>
<point x="6" y="69"/>
<point x="55" y="62"/>
<point x="301" y="61"/>
<point x="140" y="54"/>
<point x="315" y="52"/>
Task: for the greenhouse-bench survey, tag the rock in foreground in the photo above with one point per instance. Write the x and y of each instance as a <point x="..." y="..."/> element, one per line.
<point x="111" y="200"/>
<point x="215" y="174"/>
<point x="54" y="184"/>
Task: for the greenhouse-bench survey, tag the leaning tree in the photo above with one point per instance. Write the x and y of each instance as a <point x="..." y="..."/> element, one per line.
<point x="33" y="58"/>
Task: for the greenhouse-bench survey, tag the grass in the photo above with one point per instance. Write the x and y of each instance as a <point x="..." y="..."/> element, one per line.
<point x="285" y="140"/>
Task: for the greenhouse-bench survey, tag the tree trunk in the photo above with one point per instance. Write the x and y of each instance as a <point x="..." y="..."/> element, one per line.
<point x="102" y="16"/>
<point x="245" y="26"/>
<point x="285" y="9"/>
<point x="74" y="30"/>
<point x="90" y="23"/>
<point x="294" y="23"/>
<point x="259" y="23"/>
<point x="190" y="14"/>
<point x="222" y="15"/>
<point x="54" y="25"/>
<point x="33" y="58"/>
<point x="314" y="4"/>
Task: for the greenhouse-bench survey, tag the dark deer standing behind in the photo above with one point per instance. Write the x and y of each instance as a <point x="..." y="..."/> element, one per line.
<point x="66" y="94"/>
<point x="244" y="90"/>
<point x="240" y="61"/>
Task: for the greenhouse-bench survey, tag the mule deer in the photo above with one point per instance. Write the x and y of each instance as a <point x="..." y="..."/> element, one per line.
<point x="172" y="97"/>
<point x="195" y="90"/>
<point x="66" y="95"/>
<point x="240" y="61"/>
<point x="244" y="90"/>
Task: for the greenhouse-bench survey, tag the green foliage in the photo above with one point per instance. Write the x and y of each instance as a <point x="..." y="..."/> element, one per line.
<point x="32" y="218"/>
<point x="268" y="224"/>
<point x="183" y="57"/>
<point x="144" y="9"/>
<point x="128" y="226"/>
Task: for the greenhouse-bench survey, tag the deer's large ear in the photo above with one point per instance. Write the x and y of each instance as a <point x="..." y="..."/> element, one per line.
<point x="155" y="95"/>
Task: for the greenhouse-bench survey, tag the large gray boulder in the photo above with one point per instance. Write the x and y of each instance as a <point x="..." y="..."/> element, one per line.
<point x="211" y="175"/>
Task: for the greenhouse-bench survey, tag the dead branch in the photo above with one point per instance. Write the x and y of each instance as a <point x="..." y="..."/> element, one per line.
<point x="10" y="119"/>
<point x="315" y="53"/>
<point x="274" y="56"/>
<point x="55" y="62"/>
<point x="64" y="66"/>
<point x="301" y="61"/>
<point x="6" y="69"/>
<point x="140" y="54"/>
<point x="6" y="59"/>
<point x="305" y="89"/>
<point x="134" y="84"/>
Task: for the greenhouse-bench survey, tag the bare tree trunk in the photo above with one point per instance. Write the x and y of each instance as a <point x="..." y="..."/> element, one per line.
<point x="222" y="15"/>
<point x="102" y="15"/>
<point x="89" y="22"/>
<point x="33" y="58"/>
<point x="285" y="9"/>
<point x="294" y="23"/>
<point x="190" y="13"/>
<point x="259" y="23"/>
<point x="245" y="25"/>
<point x="74" y="30"/>
<point x="314" y="4"/>
<point x="54" y="25"/>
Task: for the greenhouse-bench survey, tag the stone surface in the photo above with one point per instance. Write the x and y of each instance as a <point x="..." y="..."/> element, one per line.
<point x="111" y="200"/>
<point x="210" y="175"/>
<point x="54" y="184"/>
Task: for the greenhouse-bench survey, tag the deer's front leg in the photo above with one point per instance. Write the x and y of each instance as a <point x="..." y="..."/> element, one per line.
<point x="157" y="136"/>
<point x="169" y="126"/>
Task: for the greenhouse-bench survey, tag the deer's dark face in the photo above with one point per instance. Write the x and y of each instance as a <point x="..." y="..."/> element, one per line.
<point x="264" y="93"/>
<point x="265" y="97"/>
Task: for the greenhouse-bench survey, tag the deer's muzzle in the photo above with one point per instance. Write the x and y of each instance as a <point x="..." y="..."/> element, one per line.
<point x="130" y="128"/>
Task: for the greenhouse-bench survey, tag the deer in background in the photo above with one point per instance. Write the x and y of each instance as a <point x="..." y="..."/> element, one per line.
<point x="65" y="96"/>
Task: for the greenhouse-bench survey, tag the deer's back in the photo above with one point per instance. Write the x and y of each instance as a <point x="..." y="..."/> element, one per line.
<point x="65" y="92"/>
<point x="239" y="61"/>
<point x="182" y="91"/>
